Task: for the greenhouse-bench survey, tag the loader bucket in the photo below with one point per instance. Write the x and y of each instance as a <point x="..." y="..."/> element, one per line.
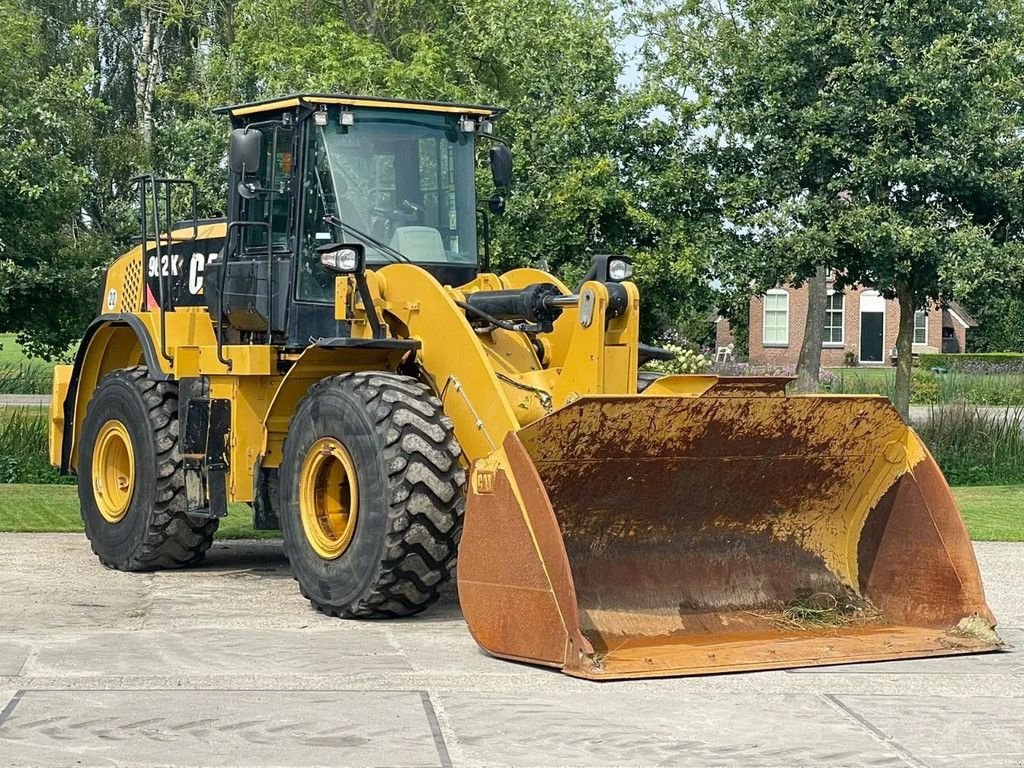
<point x="645" y="536"/>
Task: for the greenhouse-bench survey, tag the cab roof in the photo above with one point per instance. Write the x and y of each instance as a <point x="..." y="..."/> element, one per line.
<point x="379" y="102"/>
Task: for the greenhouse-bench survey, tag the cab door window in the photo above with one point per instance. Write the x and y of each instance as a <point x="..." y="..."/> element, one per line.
<point x="273" y="202"/>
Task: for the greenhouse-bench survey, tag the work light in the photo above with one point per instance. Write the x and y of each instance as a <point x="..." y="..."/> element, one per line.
<point x="345" y="259"/>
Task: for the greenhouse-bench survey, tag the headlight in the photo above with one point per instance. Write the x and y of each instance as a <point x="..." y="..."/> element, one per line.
<point x="345" y="259"/>
<point x="619" y="270"/>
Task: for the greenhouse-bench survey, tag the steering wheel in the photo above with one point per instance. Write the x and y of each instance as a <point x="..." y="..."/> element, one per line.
<point x="405" y="215"/>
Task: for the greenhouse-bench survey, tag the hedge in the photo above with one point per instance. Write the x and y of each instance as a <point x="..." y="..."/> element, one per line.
<point x="955" y="361"/>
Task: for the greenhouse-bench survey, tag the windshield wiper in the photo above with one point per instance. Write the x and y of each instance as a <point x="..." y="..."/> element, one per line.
<point x="333" y="220"/>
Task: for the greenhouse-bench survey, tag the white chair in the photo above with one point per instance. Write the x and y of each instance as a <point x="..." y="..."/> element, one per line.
<point x="724" y="354"/>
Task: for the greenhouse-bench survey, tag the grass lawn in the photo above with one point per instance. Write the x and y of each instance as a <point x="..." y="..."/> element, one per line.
<point x="54" y="508"/>
<point x="993" y="513"/>
<point x="19" y="373"/>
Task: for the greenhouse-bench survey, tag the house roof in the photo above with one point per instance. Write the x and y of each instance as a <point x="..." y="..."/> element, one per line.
<point x="960" y="315"/>
<point x="380" y="102"/>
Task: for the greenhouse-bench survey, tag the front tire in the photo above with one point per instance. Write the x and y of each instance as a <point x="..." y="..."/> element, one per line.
<point x="131" y="486"/>
<point x="372" y="496"/>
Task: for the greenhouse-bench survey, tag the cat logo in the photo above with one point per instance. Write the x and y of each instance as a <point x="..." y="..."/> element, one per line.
<point x="111" y="298"/>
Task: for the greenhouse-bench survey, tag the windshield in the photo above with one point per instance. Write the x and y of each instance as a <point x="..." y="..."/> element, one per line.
<point x="403" y="180"/>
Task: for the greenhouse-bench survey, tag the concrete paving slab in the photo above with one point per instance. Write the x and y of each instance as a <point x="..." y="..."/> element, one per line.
<point x="1008" y="662"/>
<point x="206" y="650"/>
<point x="61" y="584"/>
<point x="947" y="732"/>
<point x="220" y="728"/>
<point x="1001" y="565"/>
<point x="605" y="728"/>
<point x="238" y="624"/>
<point x="12" y="657"/>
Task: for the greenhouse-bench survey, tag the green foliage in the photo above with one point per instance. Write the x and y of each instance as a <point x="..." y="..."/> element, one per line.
<point x="593" y="173"/>
<point x="924" y="388"/>
<point x="881" y="138"/>
<point x="991" y="389"/>
<point x="960" y="360"/>
<point x="23" y="451"/>
<point x="1000" y="317"/>
<point x="47" y="257"/>
<point x="976" y="447"/>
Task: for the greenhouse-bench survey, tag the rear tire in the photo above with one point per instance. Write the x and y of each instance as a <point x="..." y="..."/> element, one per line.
<point x="381" y="440"/>
<point x="135" y="517"/>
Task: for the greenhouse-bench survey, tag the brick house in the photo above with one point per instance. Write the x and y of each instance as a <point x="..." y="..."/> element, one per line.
<point x="858" y="320"/>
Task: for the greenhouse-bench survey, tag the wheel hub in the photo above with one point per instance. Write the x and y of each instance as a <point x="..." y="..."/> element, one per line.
<point x="328" y="498"/>
<point x="113" y="471"/>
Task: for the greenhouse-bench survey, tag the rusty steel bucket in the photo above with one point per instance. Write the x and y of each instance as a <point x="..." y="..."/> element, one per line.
<point x="644" y="536"/>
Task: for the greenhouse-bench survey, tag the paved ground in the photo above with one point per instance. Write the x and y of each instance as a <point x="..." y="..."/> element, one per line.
<point x="227" y="665"/>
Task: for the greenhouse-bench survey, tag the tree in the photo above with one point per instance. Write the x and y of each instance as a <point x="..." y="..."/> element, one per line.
<point x="881" y="138"/>
<point x="47" y="256"/>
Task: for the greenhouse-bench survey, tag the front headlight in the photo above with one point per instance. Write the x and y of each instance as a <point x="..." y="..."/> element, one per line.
<point x="346" y="259"/>
<point x="619" y="270"/>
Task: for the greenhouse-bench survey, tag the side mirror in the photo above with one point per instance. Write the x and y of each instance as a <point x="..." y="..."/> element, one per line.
<point x="501" y="166"/>
<point x="245" y="148"/>
<point x="496" y="205"/>
<point x="343" y="258"/>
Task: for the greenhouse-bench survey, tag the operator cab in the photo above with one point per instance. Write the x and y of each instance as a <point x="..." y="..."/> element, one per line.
<point x="397" y="177"/>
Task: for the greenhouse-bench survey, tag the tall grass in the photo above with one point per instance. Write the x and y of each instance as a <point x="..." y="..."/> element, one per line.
<point x="25" y="379"/>
<point x="23" y="447"/>
<point x="974" y="446"/>
<point x="927" y="388"/>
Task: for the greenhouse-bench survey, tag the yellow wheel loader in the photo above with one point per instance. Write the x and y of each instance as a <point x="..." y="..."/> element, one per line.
<point x="335" y="353"/>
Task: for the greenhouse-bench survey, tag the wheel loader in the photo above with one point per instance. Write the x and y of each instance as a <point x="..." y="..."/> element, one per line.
<point x="337" y="353"/>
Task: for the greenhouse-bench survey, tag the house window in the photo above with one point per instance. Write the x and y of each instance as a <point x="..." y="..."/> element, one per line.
<point x="835" y="306"/>
<point x="920" y="327"/>
<point x="776" y="317"/>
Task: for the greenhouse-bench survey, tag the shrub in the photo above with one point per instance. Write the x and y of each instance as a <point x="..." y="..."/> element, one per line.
<point x="850" y="360"/>
<point x="924" y="388"/>
<point x="975" y="447"/>
<point x="23" y="450"/>
<point x="685" y="361"/>
<point x="1009" y="360"/>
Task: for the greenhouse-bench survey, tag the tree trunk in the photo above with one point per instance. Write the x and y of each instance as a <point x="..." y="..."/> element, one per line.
<point x="904" y="349"/>
<point x="148" y="69"/>
<point x="808" y="367"/>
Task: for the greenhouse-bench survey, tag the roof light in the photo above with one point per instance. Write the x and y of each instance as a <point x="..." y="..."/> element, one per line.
<point x="320" y="118"/>
<point x="348" y="118"/>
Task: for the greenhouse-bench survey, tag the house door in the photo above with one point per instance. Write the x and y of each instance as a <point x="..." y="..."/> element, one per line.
<point x="872" y="327"/>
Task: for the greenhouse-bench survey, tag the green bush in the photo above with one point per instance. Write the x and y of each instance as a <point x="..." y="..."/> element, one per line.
<point x="924" y="388"/>
<point x="975" y="447"/>
<point x="23" y="447"/>
<point x="954" y="361"/>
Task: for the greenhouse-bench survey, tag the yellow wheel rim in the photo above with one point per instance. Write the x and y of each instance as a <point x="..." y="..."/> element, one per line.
<point x="328" y="498"/>
<point x="113" y="471"/>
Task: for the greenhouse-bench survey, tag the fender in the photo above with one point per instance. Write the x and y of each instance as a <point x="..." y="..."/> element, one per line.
<point x="110" y="342"/>
<point x="327" y="357"/>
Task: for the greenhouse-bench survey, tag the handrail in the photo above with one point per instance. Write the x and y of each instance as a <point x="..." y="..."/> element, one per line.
<point x="154" y="183"/>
